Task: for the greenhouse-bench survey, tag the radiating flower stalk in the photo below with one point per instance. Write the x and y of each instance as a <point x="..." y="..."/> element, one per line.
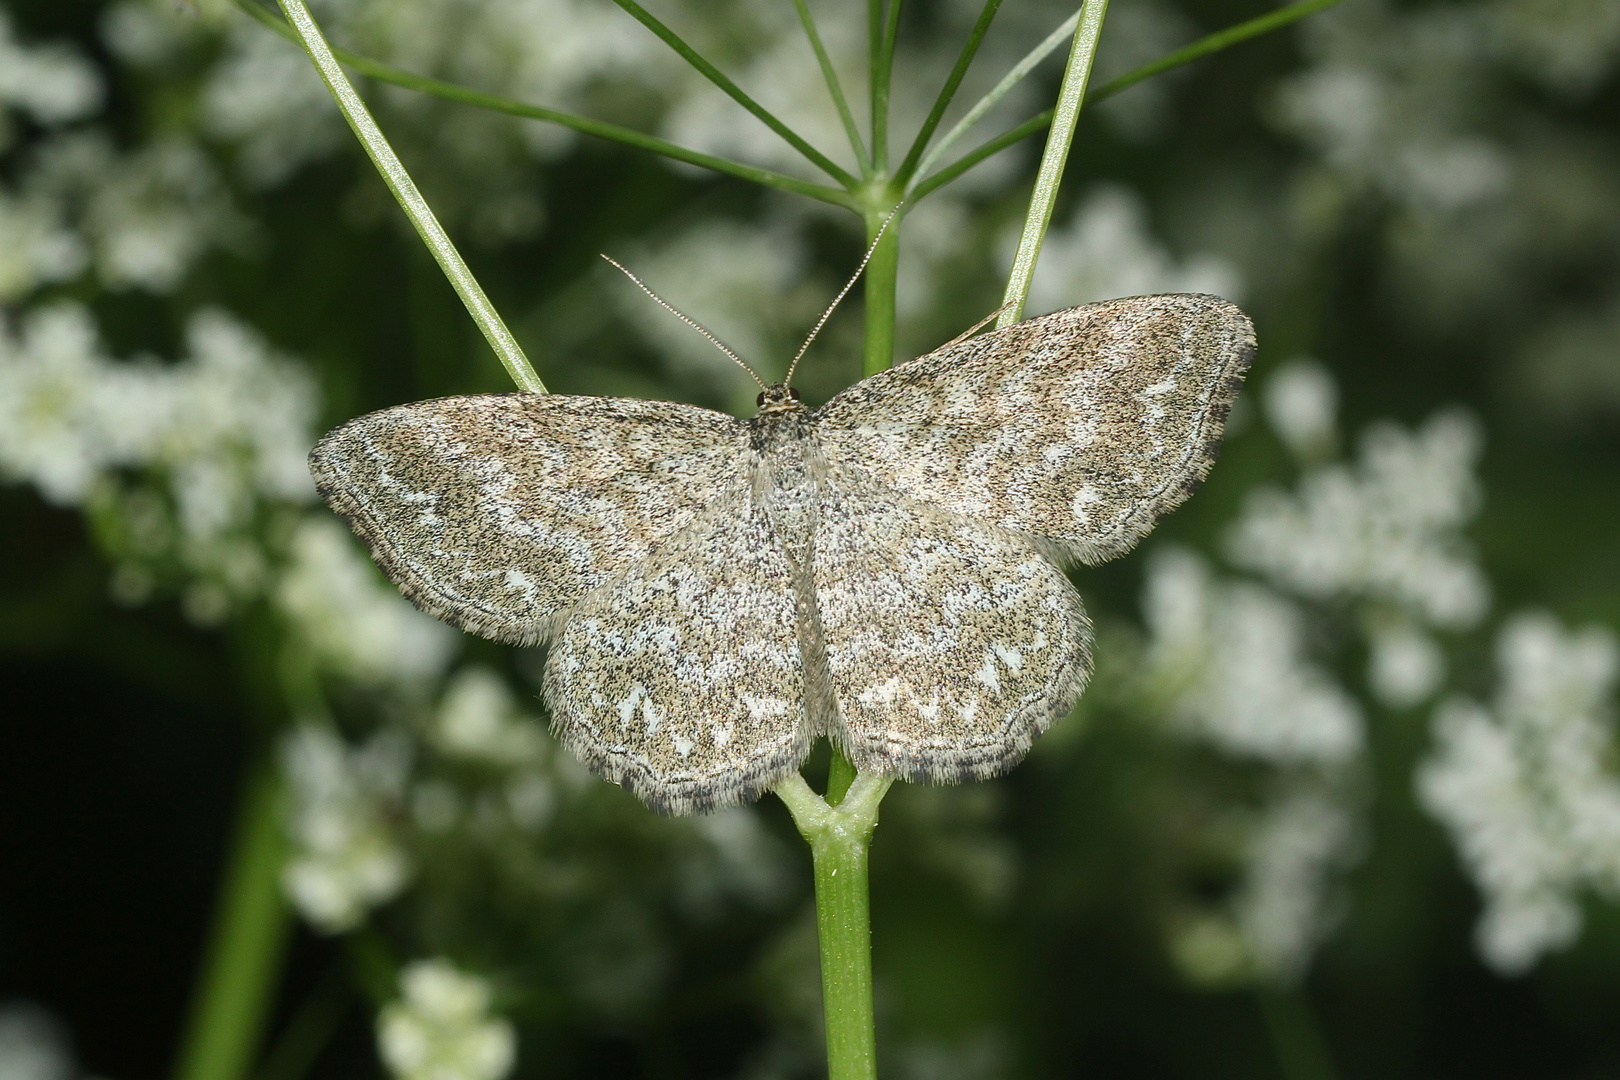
<point x="838" y="825"/>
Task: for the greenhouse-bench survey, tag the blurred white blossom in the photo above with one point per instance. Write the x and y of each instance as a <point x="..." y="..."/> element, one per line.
<point x="53" y="432"/>
<point x="349" y="618"/>
<point x="1286" y="904"/>
<point x="1107" y="250"/>
<point x="53" y="83"/>
<point x="1404" y="665"/>
<point x="1568" y="45"/>
<point x="480" y="719"/>
<point x="36" y="246"/>
<point x="442" y="1027"/>
<point x="33" y="1046"/>
<point x="1301" y="404"/>
<point x="346" y="857"/>
<point x="264" y="95"/>
<point x="1230" y="661"/>
<point x="1387" y="528"/>
<point x="146" y="216"/>
<point x="1527" y="788"/>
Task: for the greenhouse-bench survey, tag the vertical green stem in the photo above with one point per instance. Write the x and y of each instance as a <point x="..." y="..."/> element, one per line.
<point x="882" y="273"/>
<point x="1056" y="155"/>
<point x="1295" y="1038"/>
<point x="242" y="964"/>
<point x="844" y="929"/>
<point x="410" y="200"/>
<point x="839" y="838"/>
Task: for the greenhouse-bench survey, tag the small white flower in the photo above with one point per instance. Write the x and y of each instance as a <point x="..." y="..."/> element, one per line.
<point x="1231" y="660"/>
<point x="346" y="859"/>
<point x="1405" y="666"/>
<point x="1285" y="906"/>
<point x="1525" y="790"/>
<point x="36" y="247"/>
<point x="1301" y="404"/>
<point x="442" y="1028"/>
<point x="52" y="83"/>
<point x="479" y="719"/>
<point x="1387" y="529"/>
<point x="50" y="428"/>
<point x="351" y="619"/>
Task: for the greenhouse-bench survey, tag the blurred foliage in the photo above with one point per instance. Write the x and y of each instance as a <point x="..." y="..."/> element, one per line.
<point x="1269" y="843"/>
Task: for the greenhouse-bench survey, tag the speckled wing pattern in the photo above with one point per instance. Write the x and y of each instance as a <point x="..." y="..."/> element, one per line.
<point x="886" y="571"/>
<point x="499" y="512"/>
<point x="682" y="679"/>
<point x="950" y="643"/>
<point x="1082" y="427"/>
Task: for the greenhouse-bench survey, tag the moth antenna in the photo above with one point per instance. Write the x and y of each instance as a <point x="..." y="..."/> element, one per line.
<point x="850" y="284"/>
<point x="976" y="327"/>
<point x="667" y="306"/>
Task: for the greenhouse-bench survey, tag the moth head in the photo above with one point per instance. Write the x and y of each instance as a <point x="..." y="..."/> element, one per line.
<point x="778" y="398"/>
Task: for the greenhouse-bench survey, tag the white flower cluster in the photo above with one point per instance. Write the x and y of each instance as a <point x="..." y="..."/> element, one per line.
<point x="1379" y="106"/>
<point x="442" y="1028"/>
<point x="1232" y="657"/>
<point x="264" y="95"/>
<point x="1107" y="250"/>
<point x="209" y="441"/>
<point x="342" y="804"/>
<point x="142" y="218"/>
<point x="1229" y="663"/>
<point x="33" y="1045"/>
<point x="1385" y="529"/>
<point x="1527" y="788"/>
<point x="349" y="619"/>
<point x="1385" y="532"/>
<point x="1287" y="902"/>
<point x="53" y="84"/>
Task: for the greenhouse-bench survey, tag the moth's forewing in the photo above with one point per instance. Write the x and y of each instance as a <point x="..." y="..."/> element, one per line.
<point x="497" y="512"/>
<point x="1082" y="427"/>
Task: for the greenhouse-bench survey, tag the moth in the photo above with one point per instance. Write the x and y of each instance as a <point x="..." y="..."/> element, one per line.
<point x="886" y="571"/>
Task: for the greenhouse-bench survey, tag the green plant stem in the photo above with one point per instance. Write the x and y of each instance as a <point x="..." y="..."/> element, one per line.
<point x="1071" y="95"/>
<point x="881" y="32"/>
<point x="964" y="60"/>
<point x="839" y="838"/>
<point x="829" y="74"/>
<point x="1220" y="39"/>
<point x="410" y="200"/>
<point x="882" y="274"/>
<point x="246" y="944"/>
<point x="736" y="93"/>
<point x="374" y="69"/>
<point x="1295" y="1037"/>
<point x="1019" y="71"/>
<point x="840" y="775"/>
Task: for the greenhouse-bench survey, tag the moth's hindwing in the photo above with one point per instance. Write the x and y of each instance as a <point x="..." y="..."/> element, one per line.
<point x="950" y="643"/>
<point x="682" y="679"/>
